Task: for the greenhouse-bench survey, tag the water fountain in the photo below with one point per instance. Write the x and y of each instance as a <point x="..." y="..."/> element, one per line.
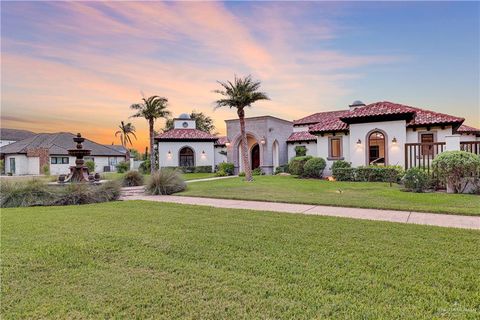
<point x="79" y="172"/>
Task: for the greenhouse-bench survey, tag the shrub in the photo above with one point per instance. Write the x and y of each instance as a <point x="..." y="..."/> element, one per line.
<point x="221" y="173"/>
<point x="295" y="166"/>
<point x="25" y="194"/>
<point x="90" y="165"/>
<point x="165" y="181"/>
<point x="379" y="173"/>
<point x="2" y="166"/>
<point x="257" y="172"/>
<point x="123" y="167"/>
<point x="416" y="180"/>
<point x="281" y="169"/>
<point x="300" y="151"/>
<point x="454" y="167"/>
<point x="314" y="167"/>
<point x="203" y="169"/>
<point x="37" y="193"/>
<point x="46" y="169"/>
<point x="82" y="193"/>
<point x="132" y="179"/>
<point x="241" y="174"/>
<point x="144" y="167"/>
<point x="227" y="167"/>
<point x="342" y="171"/>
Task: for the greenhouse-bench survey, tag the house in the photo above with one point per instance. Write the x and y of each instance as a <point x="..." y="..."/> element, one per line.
<point x="33" y="154"/>
<point x="8" y="136"/>
<point x="186" y="146"/>
<point x="381" y="133"/>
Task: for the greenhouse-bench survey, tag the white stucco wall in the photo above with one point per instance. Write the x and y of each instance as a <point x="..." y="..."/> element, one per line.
<point x="469" y="137"/>
<point x="21" y="164"/>
<point x="102" y="161"/>
<point x="311" y="149"/>
<point x="393" y="129"/>
<point x="438" y="133"/>
<point x="219" y="157"/>
<point x="300" y="128"/>
<point x="60" y="168"/>
<point x="323" y="150"/>
<point x="208" y="159"/>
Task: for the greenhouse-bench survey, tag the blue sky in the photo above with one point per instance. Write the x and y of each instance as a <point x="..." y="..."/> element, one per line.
<point x="93" y="60"/>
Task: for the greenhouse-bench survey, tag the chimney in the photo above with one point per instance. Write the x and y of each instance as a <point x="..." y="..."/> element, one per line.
<point x="356" y="104"/>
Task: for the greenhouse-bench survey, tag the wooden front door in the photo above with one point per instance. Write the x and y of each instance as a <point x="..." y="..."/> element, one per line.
<point x="255" y="154"/>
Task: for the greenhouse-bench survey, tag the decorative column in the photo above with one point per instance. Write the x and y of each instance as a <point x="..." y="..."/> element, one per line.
<point x="452" y="143"/>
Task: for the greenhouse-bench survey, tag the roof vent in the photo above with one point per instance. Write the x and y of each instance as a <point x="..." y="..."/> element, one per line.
<point x="356" y="104"/>
<point x="184" y="116"/>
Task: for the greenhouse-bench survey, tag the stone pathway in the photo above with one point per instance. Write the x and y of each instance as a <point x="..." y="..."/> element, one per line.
<point x="432" y="219"/>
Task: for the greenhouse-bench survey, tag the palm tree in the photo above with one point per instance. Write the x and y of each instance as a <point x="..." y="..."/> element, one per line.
<point x="240" y="94"/>
<point x="151" y="109"/>
<point x="126" y="129"/>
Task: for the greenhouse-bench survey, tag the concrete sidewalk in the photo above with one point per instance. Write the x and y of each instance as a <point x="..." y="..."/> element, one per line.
<point x="432" y="219"/>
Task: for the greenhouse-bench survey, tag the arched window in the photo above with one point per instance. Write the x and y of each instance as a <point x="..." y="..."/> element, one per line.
<point x="376" y="148"/>
<point x="186" y="157"/>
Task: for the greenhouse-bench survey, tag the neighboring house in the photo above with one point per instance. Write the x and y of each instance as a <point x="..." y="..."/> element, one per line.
<point x="381" y="133"/>
<point x="8" y="136"/>
<point x="186" y="146"/>
<point x="118" y="147"/>
<point x="31" y="155"/>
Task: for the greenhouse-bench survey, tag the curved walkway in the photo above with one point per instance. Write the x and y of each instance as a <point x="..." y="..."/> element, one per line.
<point x="432" y="219"/>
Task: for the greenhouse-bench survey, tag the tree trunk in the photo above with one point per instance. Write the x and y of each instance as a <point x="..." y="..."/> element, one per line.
<point x="246" y="163"/>
<point x="152" y="153"/>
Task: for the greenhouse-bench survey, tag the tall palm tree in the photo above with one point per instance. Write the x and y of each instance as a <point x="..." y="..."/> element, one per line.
<point x="240" y="94"/>
<point x="126" y="129"/>
<point x="151" y="109"/>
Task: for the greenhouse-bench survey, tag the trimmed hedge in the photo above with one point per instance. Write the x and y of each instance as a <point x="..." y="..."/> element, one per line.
<point x="416" y="180"/>
<point x="456" y="168"/>
<point x="314" y="167"/>
<point x="369" y="174"/>
<point x="226" y="167"/>
<point x="198" y="169"/>
<point x="295" y="166"/>
<point x="281" y="169"/>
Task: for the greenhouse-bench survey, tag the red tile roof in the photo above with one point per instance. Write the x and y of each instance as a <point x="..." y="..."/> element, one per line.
<point x="383" y="108"/>
<point x="185" y="134"/>
<point x="338" y="120"/>
<point x="467" y="129"/>
<point x="221" y="141"/>
<point x="301" y="136"/>
<point x="427" y="117"/>
<point x="318" y="117"/>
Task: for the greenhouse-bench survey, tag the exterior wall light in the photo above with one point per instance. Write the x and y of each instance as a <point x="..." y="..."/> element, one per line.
<point x="359" y="141"/>
<point x="169" y="154"/>
<point x="203" y="154"/>
<point x="394" y="140"/>
<point x="262" y="141"/>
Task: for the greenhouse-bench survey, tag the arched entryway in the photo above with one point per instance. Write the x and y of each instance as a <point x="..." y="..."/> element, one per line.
<point x="376" y="151"/>
<point x="255" y="156"/>
<point x="186" y="157"/>
<point x="251" y="142"/>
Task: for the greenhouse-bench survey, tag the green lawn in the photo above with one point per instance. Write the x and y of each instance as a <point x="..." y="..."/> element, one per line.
<point x="186" y="176"/>
<point x="348" y="194"/>
<point x="149" y="260"/>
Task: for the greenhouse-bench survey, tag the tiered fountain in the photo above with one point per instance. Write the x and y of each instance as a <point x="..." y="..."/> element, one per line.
<point x="79" y="172"/>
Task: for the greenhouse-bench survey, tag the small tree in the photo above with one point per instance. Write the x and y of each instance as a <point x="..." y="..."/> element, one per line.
<point x="455" y="167"/>
<point x="90" y="165"/>
<point x="300" y="151"/>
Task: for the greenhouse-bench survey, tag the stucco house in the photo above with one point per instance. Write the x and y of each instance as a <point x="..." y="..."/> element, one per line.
<point x="381" y="133"/>
<point x="30" y="155"/>
<point x="186" y="146"/>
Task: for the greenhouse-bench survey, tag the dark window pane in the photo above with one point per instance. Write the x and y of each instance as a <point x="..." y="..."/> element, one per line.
<point x="53" y="160"/>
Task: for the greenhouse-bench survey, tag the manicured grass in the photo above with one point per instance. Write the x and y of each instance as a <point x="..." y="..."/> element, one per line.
<point x="186" y="176"/>
<point x="348" y="194"/>
<point x="193" y="176"/>
<point x="149" y="260"/>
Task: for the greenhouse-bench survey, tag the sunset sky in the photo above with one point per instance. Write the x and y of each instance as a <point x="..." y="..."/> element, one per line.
<point x="78" y="66"/>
